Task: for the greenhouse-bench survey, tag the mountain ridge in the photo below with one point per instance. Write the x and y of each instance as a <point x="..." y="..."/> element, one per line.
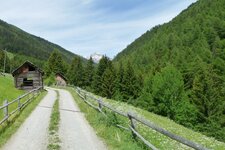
<point x="28" y="44"/>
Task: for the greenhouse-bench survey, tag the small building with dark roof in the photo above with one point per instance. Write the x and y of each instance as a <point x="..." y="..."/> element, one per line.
<point x="60" y="79"/>
<point x="28" y="76"/>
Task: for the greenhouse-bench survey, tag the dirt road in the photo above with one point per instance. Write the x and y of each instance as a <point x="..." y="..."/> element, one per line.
<point x="74" y="131"/>
<point x="33" y="133"/>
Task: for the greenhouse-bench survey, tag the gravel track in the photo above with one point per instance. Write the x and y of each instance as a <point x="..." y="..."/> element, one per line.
<point x="33" y="133"/>
<point x="74" y="131"/>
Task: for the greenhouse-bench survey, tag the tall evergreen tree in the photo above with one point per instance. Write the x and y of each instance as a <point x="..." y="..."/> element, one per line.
<point x="207" y="93"/>
<point x="108" y="82"/>
<point x="76" y="72"/>
<point x="130" y="84"/>
<point x="119" y="83"/>
<point x="97" y="83"/>
<point x="89" y="73"/>
<point x="55" y="64"/>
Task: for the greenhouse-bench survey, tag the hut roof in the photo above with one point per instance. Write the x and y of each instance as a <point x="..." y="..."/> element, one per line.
<point x="26" y="63"/>
<point x="61" y="75"/>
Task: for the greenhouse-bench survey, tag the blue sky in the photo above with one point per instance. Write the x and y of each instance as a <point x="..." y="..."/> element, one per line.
<point x="88" y="26"/>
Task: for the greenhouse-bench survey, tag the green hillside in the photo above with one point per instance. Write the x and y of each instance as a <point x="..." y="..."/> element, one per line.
<point x="161" y="141"/>
<point x="20" y="42"/>
<point x="182" y="63"/>
<point x="8" y="91"/>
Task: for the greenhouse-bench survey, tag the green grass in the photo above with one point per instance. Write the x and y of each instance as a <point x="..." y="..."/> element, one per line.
<point x="161" y="141"/>
<point x="9" y="92"/>
<point x="7" y="89"/>
<point x="115" y="138"/>
<point x="120" y="141"/>
<point x="9" y="129"/>
<point x="54" y="127"/>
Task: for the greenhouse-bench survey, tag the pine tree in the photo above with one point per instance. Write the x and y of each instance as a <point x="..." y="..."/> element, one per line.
<point x="89" y="73"/>
<point x="55" y="64"/>
<point x="108" y="83"/>
<point x="75" y="72"/>
<point x="119" y="83"/>
<point x="130" y="84"/>
<point x="97" y="83"/>
<point x="207" y="93"/>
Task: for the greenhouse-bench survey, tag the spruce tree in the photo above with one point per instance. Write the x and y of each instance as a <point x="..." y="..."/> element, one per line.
<point x="119" y="83"/>
<point x="76" y="72"/>
<point x="97" y="83"/>
<point x="208" y="93"/>
<point x="108" y="82"/>
<point x="130" y="84"/>
<point x="89" y="73"/>
<point x="55" y="64"/>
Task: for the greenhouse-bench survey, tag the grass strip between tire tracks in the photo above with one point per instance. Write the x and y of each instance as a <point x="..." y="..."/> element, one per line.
<point x="53" y="140"/>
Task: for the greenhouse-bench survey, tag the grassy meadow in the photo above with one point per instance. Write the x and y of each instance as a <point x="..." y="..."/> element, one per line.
<point x="9" y="92"/>
<point x="117" y="138"/>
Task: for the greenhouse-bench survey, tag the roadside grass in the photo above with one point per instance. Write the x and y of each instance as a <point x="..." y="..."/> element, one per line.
<point x="161" y="141"/>
<point x="114" y="137"/>
<point x="54" y="141"/>
<point x="157" y="139"/>
<point x="9" y="92"/>
<point x="7" y="130"/>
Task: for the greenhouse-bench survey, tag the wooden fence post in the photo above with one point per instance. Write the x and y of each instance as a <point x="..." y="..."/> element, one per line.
<point x="19" y="104"/>
<point x="33" y="93"/>
<point x="85" y="96"/>
<point x="100" y="104"/>
<point x="6" y="109"/>
<point x="132" y="124"/>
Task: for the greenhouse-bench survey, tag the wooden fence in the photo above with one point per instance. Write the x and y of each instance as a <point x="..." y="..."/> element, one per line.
<point x="131" y="116"/>
<point x="20" y="105"/>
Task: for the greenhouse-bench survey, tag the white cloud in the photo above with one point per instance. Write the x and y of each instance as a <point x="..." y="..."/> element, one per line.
<point x="81" y="27"/>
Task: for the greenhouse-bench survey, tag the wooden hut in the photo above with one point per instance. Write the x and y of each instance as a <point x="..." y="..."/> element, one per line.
<point x="60" y="79"/>
<point x="28" y="76"/>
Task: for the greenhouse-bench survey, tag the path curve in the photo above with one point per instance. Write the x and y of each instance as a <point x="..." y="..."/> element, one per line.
<point x="33" y="133"/>
<point x="74" y="131"/>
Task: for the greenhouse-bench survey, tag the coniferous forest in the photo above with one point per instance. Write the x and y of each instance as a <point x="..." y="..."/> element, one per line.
<point x="175" y="70"/>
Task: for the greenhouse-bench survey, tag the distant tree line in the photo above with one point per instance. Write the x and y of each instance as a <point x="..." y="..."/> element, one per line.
<point x="103" y="79"/>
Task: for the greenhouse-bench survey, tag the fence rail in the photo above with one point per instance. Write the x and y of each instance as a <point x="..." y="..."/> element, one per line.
<point x="27" y="97"/>
<point x="131" y="116"/>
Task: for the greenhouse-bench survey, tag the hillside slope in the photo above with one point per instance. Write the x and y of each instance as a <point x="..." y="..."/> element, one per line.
<point x="7" y="89"/>
<point x="20" y="42"/>
<point x="158" y="140"/>
<point x="197" y="32"/>
<point x="161" y="141"/>
<point x="181" y="61"/>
